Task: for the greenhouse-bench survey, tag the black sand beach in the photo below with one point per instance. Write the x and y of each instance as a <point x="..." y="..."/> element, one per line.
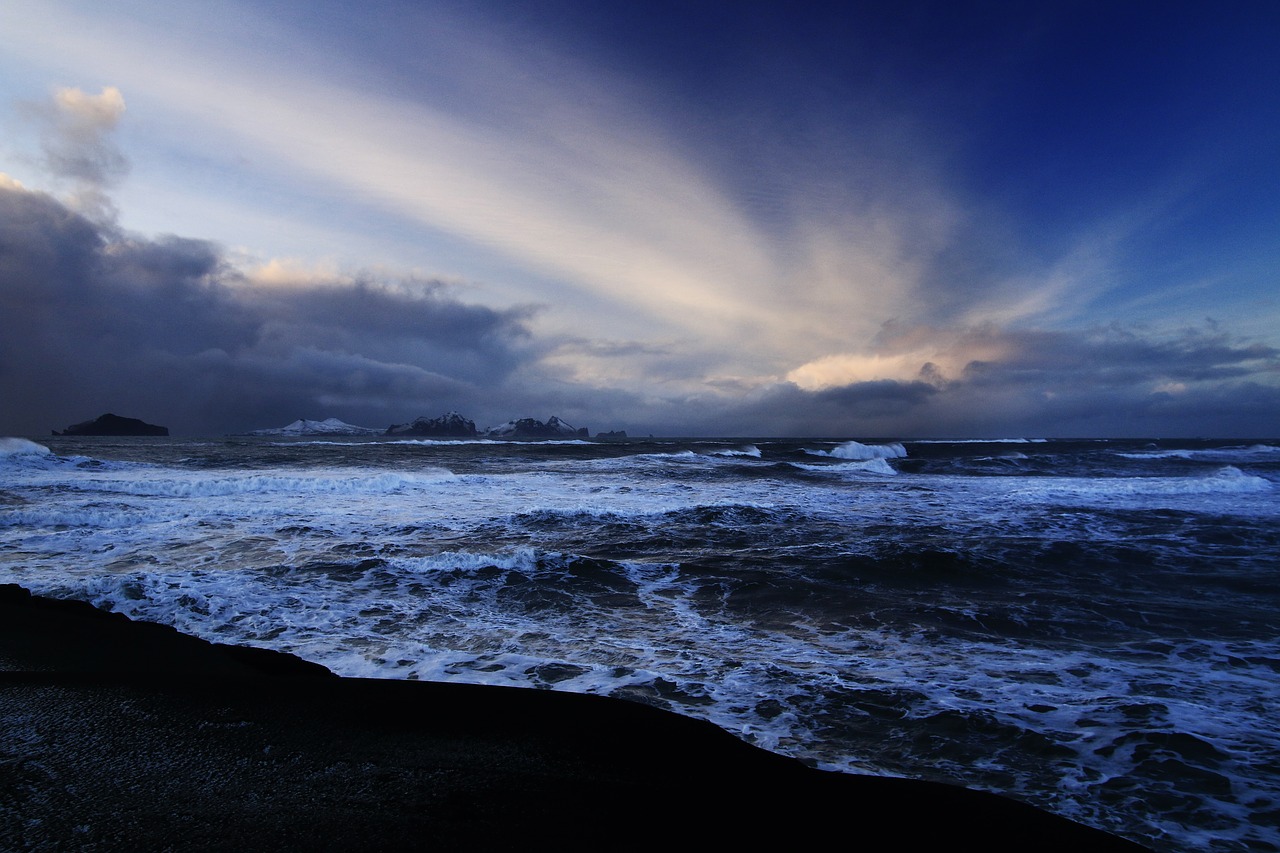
<point x="121" y="735"/>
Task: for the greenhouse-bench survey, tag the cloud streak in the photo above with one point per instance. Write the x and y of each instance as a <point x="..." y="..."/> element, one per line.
<point x="568" y="181"/>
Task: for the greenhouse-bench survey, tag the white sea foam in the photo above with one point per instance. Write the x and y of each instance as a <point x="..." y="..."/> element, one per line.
<point x="83" y="517"/>
<point x="1226" y="481"/>
<point x="466" y="561"/>
<point x="354" y="482"/>
<point x="1156" y="454"/>
<point x="865" y="466"/>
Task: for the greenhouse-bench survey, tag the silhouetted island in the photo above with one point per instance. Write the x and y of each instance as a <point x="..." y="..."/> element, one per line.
<point x="110" y="424"/>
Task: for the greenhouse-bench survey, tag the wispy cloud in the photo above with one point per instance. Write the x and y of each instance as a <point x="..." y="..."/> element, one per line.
<point x="555" y="174"/>
<point x="569" y="193"/>
<point x="76" y="138"/>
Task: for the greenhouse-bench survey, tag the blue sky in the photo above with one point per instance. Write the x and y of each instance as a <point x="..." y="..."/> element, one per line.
<point x="879" y="219"/>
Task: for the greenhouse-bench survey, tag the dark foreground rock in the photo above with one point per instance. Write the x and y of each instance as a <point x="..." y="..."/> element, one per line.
<point x="110" y="424"/>
<point x="124" y="736"/>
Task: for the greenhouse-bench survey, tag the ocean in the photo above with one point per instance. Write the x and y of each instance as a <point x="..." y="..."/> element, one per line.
<point x="1089" y="626"/>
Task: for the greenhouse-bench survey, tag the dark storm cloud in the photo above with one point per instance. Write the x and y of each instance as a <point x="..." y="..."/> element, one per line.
<point x="1094" y="383"/>
<point x="406" y="322"/>
<point x="166" y="330"/>
<point x="1116" y="357"/>
<point x="877" y="408"/>
<point x="1097" y="382"/>
<point x="881" y="397"/>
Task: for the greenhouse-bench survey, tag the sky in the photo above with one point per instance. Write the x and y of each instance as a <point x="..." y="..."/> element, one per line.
<point x="930" y="219"/>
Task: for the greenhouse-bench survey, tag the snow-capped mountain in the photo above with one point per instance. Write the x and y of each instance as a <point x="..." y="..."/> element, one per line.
<point x="328" y="426"/>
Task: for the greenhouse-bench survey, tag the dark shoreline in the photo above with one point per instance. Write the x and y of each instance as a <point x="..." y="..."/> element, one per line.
<point x="124" y="735"/>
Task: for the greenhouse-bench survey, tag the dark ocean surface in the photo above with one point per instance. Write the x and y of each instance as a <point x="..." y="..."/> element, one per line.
<point x="1089" y="626"/>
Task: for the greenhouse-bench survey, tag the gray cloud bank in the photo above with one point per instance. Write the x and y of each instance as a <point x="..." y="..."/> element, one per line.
<point x="165" y="329"/>
<point x="1098" y="383"/>
<point x="168" y="330"/>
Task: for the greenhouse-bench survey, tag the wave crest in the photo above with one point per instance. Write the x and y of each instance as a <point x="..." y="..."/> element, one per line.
<point x="16" y="448"/>
<point x="856" y="451"/>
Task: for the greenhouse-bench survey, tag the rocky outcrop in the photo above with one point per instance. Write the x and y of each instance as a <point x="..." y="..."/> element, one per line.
<point x="530" y="428"/>
<point x="110" y="424"/>
<point x="451" y="425"/>
<point x="614" y="434"/>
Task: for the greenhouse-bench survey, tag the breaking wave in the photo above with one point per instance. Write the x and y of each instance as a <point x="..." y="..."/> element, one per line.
<point x="857" y="451"/>
<point x="748" y="450"/>
<point x="18" y="448"/>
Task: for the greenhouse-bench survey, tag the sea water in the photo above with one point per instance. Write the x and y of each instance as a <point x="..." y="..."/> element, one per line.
<point x="1088" y="626"/>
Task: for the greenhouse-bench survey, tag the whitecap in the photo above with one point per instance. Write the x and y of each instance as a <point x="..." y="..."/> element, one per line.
<point x="19" y="448"/>
<point x="748" y="450"/>
<point x="857" y="451"/>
